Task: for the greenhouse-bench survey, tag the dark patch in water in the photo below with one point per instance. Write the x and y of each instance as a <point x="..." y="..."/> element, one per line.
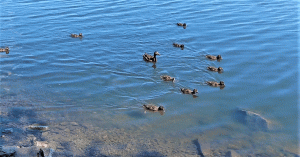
<point x="18" y="112"/>
<point x="149" y="154"/>
<point x="196" y="142"/>
<point x="136" y="114"/>
<point x="8" y="95"/>
<point x="94" y="150"/>
<point x="240" y="116"/>
<point x="253" y="120"/>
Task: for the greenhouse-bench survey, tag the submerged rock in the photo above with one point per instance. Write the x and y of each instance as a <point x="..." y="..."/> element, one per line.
<point x="17" y="151"/>
<point x="38" y="127"/>
<point x="42" y="144"/>
<point x="7" y="151"/>
<point x="8" y="131"/>
<point x="232" y="153"/>
<point x="41" y="153"/>
<point x="203" y="149"/>
<point x="253" y="120"/>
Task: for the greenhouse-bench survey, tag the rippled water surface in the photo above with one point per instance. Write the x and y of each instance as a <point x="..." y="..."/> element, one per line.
<point x="102" y="80"/>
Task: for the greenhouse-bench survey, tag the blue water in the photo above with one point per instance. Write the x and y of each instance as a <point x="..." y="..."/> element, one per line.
<point x="102" y="79"/>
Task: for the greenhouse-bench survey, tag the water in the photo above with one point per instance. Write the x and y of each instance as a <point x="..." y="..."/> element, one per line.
<point x="101" y="80"/>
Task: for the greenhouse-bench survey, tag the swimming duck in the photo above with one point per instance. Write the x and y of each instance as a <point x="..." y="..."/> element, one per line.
<point x="167" y="78"/>
<point x="178" y="45"/>
<point x="4" y="50"/>
<point x="153" y="107"/>
<point x="77" y="36"/>
<point x="188" y="91"/>
<point x="181" y="24"/>
<point x="220" y="69"/>
<point x="216" y="84"/>
<point x="214" y="57"/>
<point x="150" y="58"/>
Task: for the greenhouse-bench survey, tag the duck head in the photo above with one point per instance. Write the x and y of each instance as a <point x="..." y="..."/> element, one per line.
<point x="220" y="69"/>
<point x="80" y="34"/>
<point x="195" y="91"/>
<point x="161" y="108"/>
<point x="156" y="53"/>
<point x="222" y="83"/>
<point x="219" y="57"/>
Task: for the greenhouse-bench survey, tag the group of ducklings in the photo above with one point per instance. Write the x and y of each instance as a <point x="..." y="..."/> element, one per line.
<point x="153" y="58"/>
<point x="219" y="70"/>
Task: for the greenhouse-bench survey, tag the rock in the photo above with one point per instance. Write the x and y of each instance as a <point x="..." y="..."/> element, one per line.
<point x="74" y="123"/>
<point x="8" y="131"/>
<point x="253" y="120"/>
<point x="6" y="151"/>
<point x="203" y="149"/>
<point x="41" y="144"/>
<point x="232" y="153"/>
<point x="41" y="153"/>
<point x="38" y="127"/>
<point x="15" y="151"/>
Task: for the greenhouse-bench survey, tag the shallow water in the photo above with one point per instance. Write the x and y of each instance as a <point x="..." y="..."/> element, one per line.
<point x="102" y="80"/>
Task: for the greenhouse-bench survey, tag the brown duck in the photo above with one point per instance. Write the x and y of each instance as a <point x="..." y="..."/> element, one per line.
<point x="167" y="78"/>
<point x="220" y="69"/>
<point x="188" y="91"/>
<point x="150" y="58"/>
<point x="211" y="57"/>
<point x="77" y="36"/>
<point x="153" y="107"/>
<point x="216" y="84"/>
<point x="6" y="49"/>
<point x="181" y="24"/>
<point x="178" y="45"/>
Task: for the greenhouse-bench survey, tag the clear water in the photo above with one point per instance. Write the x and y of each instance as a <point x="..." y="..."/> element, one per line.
<point x="103" y="81"/>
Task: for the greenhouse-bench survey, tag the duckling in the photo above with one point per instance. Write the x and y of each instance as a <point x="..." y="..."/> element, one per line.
<point x="4" y="50"/>
<point x="167" y="78"/>
<point x="150" y="58"/>
<point x="214" y="57"/>
<point x="188" y="91"/>
<point x="181" y="24"/>
<point x="216" y="84"/>
<point x="77" y="36"/>
<point x="220" y="69"/>
<point x="178" y="45"/>
<point x="153" y="107"/>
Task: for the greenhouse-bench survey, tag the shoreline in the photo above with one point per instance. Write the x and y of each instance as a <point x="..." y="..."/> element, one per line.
<point x="69" y="137"/>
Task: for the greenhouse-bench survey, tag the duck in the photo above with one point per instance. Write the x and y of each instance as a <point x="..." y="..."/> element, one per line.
<point x="215" y="84"/>
<point x="77" y="36"/>
<point x="220" y="69"/>
<point x="211" y="57"/>
<point x="181" y="24"/>
<point x="150" y="58"/>
<point x="167" y="78"/>
<point x="188" y="91"/>
<point x="178" y="45"/>
<point x="6" y="49"/>
<point x="153" y="107"/>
